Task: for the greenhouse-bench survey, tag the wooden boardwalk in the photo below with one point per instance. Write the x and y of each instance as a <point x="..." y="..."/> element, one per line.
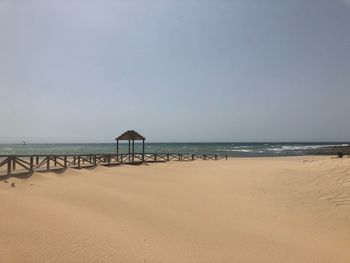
<point x="25" y="165"/>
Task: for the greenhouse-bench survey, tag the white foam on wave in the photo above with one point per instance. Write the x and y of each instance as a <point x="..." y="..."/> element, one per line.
<point x="307" y="147"/>
<point x="302" y="147"/>
<point x="239" y="150"/>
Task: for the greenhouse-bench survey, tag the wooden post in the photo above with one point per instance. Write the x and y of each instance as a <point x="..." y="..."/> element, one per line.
<point x="13" y="163"/>
<point x="108" y="160"/>
<point x="9" y="166"/>
<point x="133" y="150"/>
<point x="168" y="157"/>
<point x="48" y="163"/>
<point x="192" y="157"/>
<point x="79" y="162"/>
<point x="55" y="159"/>
<point x="226" y="157"/>
<point x="143" y="150"/>
<point x="31" y="164"/>
<point x="129" y="150"/>
<point x="65" y="161"/>
<point x="37" y="160"/>
<point x="95" y="161"/>
<point x="155" y="157"/>
<point x="216" y="156"/>
<point x="117" y="150"/>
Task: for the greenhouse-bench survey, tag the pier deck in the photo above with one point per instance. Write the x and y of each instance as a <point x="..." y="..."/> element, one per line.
<point x="25" y="165"/>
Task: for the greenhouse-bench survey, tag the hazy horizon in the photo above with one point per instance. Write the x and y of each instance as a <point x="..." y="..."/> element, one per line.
<point x="176" y="142"/>
<point x="176" y="71"/>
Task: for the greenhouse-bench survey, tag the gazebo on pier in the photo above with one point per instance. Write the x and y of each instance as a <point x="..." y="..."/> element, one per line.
<point x="131" y="136"/>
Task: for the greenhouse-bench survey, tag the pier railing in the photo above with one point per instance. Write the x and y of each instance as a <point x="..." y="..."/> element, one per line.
<point x="11" y="165"/>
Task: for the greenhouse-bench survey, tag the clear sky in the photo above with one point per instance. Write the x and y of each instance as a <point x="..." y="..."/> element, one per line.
<point x="181" y="70"/>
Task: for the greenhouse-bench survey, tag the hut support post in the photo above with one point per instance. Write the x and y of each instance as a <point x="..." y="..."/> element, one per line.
<point x="133" y="150"/>
<point x="117" y="150"/>
<point x="129" y="151"/>
<point x="143" y="150"/>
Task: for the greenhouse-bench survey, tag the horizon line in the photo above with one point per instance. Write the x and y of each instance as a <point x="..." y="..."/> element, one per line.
<point x="194" y="142"/>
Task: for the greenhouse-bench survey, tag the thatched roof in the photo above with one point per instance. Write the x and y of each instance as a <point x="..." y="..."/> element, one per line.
<point x="130" y="135"/>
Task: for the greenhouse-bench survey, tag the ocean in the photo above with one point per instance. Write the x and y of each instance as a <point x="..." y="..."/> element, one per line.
<point x="230" y="149"/>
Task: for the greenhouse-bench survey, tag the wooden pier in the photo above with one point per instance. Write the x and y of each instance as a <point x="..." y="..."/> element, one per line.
<point x="25" y="165"/>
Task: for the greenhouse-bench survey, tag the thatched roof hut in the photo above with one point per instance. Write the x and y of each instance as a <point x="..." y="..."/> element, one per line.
<point x="131" y="136"/>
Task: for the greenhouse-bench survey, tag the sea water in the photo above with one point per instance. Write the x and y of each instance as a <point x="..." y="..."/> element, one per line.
<point x="230" y="149"/>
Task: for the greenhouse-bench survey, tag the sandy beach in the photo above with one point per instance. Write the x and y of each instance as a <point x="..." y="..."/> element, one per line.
<point x="285" y="209"/>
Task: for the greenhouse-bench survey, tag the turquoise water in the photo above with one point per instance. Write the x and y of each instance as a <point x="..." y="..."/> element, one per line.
<point x="230" y="149"/>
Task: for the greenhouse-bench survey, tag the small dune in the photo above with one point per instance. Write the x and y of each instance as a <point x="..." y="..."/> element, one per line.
<point x="285" y="209"/>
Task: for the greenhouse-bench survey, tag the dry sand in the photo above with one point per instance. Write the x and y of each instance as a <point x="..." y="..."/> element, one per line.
<point x="241" y="210"/>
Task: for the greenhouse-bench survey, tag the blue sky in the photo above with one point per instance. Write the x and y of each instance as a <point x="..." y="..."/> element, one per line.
<point x="244" y="70"/>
